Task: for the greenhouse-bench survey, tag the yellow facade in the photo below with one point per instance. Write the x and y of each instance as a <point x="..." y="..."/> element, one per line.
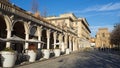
<point x="78" y="26"/>
<point x="102" y="38"/>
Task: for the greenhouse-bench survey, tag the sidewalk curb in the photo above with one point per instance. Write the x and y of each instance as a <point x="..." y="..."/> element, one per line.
<point x="28" y="63"/>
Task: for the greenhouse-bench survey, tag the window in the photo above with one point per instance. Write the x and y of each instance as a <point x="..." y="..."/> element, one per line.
<point x="103" y="34"/>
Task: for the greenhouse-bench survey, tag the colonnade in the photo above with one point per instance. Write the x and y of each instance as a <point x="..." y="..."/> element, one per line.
<point x="65" y="39"/>
<point x="19" y="29"/>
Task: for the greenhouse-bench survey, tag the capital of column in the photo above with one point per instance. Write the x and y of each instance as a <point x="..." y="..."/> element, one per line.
<point x="60" y="36"/>
<point x="65" y="33"/>
<point x="73" y="39"/>
<point x="27" y="33"/>
<point x="70" y="37"/>
<point x="55" y="34"/>
<point x="39" y="29"/>
<point x="8" y="29"/>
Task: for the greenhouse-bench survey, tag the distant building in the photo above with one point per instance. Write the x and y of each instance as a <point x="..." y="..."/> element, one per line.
<point x="70" y="22"/>
<point x="102" y="38"/>
<point x="92" y="42"/>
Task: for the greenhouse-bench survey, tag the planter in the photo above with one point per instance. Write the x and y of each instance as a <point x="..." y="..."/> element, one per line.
<point x="46" y="53"/>
<point x="67" y="51"/>
<point x="57" y="52"/>
<point x="32" y="55"/>
<point x="8" y="58"/>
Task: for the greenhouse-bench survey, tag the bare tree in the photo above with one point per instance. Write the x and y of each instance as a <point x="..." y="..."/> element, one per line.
<point x="34" y="6"/>
<point x="115" y="36"/>
<point x="44" y="12"/>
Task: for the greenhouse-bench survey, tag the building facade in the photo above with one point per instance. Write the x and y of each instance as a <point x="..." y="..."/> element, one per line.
<point x="102" y="38"/>
<point x="78" y="26"/>
<point x="20" y="29"/>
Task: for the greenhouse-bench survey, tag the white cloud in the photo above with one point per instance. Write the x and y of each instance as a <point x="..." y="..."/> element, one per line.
<point x="89" y="15"/>
<point x="105" y="7"/>
<point x="93" y="8"/>
<point x="104" y="13"/>
<point x="110" y="6"/>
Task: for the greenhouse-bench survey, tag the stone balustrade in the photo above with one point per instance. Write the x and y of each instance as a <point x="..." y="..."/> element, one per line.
<point x="12" y="9"/>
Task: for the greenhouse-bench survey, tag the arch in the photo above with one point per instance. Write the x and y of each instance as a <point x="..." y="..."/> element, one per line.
<point x="3" y="32"/>
<point x="8" y="22"/>
<point x="26" y="25"/>
<point x="19" y="29"/>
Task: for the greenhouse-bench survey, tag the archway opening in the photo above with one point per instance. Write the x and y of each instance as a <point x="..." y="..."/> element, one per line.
<point x="71" y="45"/>
<point x="68" y="42"/>
<point x="33" y="32"/>
<point x="57" y="40"/>
<point x="3" y="32"/>
<point x="44" y="39"/>
<point x="51" y="41"/>
<point x="19" y="30"/>
<point x="19" y="34"/>
<point x="34" y="36"/>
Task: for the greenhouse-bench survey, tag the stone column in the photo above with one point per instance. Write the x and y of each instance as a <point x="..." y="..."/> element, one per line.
<point x="70" y="45"/>
<point x="48" y="38"/>
<point x="60" y="40"/>
<point x="8" y="36"/>
<point x="54" y="35"/>
<point x="73" y="40"/>
<point x="26" y="38"/>
<point x="27" y="32"/>
<point x="39" y="36"/>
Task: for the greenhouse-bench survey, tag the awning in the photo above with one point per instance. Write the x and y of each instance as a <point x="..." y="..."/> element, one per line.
<point x="14" y="39"/>
<point x="57" y="44"/>
<point x="34" y="41"/>
<point x="3" y="40"/>
<point x="18" y="39"/>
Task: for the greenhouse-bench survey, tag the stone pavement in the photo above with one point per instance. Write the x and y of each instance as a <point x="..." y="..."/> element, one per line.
<point x="91" y="59"/>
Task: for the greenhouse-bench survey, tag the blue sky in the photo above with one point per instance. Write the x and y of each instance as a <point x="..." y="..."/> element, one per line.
<point x="99" y="13"/>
